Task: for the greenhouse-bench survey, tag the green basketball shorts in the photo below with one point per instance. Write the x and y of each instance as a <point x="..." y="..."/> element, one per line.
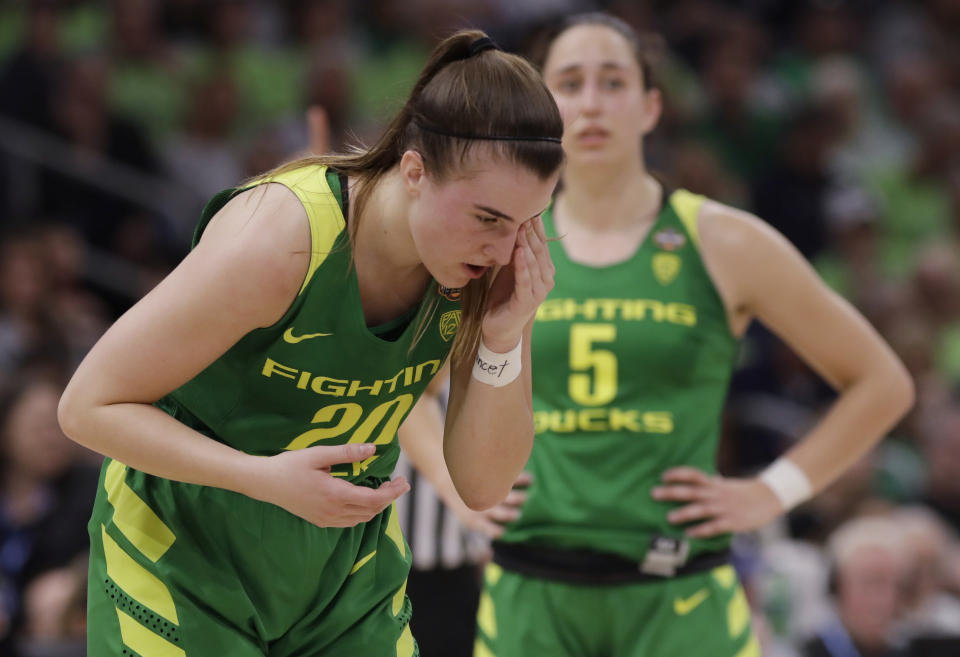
<point x="178" y="570"/>
<point x="702" y="613"/>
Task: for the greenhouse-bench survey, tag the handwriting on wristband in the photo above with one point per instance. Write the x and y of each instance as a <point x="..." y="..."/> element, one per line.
<point x="492" y="368"/>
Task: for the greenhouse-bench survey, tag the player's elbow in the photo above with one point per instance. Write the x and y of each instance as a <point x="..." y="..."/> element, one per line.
<point x="72" y="411"/>
<point x="901" y="391"/>
<point x="481" y="502"/>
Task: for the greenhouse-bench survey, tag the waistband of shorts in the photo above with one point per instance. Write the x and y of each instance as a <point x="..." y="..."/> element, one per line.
<point x="590" y="567"/>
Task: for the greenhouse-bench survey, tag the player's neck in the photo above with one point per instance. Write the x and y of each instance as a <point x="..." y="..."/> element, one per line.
<point x="389" y="271"/>
<point x="604" y="199"/>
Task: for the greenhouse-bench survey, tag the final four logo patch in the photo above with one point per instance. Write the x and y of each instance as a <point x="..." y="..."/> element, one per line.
<point x="669" y="239"/>
<point x="666" y="266"/>
<point x="450" y="293"/>
<point x="449" y="323"/>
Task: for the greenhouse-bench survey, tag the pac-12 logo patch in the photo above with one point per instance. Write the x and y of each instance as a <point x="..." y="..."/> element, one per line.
<point x="666" y="266"/>
<point x="449" y="323"/>
<point x="669" y="239"/>
<point x="450" y="293"/>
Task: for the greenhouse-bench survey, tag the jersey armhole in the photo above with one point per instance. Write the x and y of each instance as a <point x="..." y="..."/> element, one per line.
<point x="324" y="214"/>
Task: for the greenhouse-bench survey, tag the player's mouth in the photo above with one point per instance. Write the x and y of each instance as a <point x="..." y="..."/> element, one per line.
<point x="475" y="271"/>
<point x="593" y="135"/>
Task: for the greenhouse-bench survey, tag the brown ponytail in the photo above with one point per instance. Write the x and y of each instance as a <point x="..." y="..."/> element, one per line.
<point x="469" y="95"/>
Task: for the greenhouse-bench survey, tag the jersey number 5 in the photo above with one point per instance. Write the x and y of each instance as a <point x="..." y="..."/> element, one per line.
<point x="602" y="362"/>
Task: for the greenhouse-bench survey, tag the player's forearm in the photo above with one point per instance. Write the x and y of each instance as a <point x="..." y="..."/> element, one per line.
<point x="489" y="436"/>
<point x="147" y="439"/>
<point x="862" y="414"/>
<point x="421" y="437"/>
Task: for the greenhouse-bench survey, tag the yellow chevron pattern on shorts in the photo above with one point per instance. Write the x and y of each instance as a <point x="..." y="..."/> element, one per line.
<point x="394" y="532"/>
<point x="399" y="597"/>
<point x="492" y="573"/>
<point x="738" y="613"/>
<point x="752" y="649"/>
<point x="136" y="581"/>
<point x="405" y="644"/>
<point x="480" y="649"/>
<point x="357" y="566"/>
<point x="135" y="520"/>
<point x="487" y="616"/>
<point x="141" y="640"/>
<point x="725" y="576"/>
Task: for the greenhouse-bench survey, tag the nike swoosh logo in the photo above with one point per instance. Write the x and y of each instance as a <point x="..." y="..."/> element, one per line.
<point x="683" y="606"/>
<point x="288" y="336"/>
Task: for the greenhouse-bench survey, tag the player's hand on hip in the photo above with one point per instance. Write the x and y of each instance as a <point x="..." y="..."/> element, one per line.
<point x="519" y="288"/>
<point x="495" y="518"/>
<point x="715" y="505"/>
<point x="300" y="482"/>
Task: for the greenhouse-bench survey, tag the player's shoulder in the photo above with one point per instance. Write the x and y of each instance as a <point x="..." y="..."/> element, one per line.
<point x="730" y="232"/>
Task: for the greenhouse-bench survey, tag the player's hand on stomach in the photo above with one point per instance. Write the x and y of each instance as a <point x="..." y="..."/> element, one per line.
<point x="716" y="505"/>
<point x="300" y="482"/>
<point x="519" y="288"/>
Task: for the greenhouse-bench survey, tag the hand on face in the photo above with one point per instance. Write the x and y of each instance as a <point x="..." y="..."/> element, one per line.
<point x="519" y="288"/>
<point x="718" y="505"/>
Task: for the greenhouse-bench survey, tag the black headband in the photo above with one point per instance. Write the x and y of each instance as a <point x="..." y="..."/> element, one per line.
<point x="481" y="44"/>
<point x="461" y="135"/>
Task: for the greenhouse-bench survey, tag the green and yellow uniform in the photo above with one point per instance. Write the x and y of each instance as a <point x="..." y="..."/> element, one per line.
<point x="185" y="570"/>
<point x="631" y="366"/>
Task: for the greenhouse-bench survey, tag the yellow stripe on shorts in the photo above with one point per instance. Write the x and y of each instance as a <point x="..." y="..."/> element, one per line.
<point x="487" y="616"/>
<point x="480" y="649"/>
<point x="405" y="644"/>
<point x="752" y="649"/>
<point x="357" y="566"/>
<point x="394" y="532"/>
<point x="141" y="640"/>
<point x="136" y="581"/>
<point x="492" y="573"/>
<point x="399" y="597"/>
<point x="135" y="520"/>
<point x="725" y="576"/>
<point x="738" y="613"/>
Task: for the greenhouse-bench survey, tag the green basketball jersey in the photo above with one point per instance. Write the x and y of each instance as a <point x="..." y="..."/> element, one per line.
<point x="320" y="376"/>
<point x="631" y="365"/>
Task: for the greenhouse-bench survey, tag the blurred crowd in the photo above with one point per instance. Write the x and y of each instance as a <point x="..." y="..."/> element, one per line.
<point x="837" y="121"/>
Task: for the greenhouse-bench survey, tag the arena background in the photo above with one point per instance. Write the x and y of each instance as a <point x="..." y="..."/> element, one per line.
<point x="836" y="121"/>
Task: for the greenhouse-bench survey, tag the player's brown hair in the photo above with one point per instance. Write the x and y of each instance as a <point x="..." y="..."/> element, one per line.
<point x="470" y="95"/>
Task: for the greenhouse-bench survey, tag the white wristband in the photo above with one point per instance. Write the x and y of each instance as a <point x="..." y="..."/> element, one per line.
<point x="787" y="481"/>
<point x="497" y="369"/>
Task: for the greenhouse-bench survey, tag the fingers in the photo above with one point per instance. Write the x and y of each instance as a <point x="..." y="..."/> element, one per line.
<point x="515" y="498"/>
<point x="490" y="529"/>
<point x="503" y="514"/>
<point x="680" y="493"/>
<point x="538" y="244"/>
<point x="539" y="228"/>
<point x="326" y="455"/>
<point x="534" y="268"/>
<point x="523" y="480"/>
<point x="685" y="474"/>
<point x="522" y="269"/>
<point x="708" y="529"/>
<point x="356" y="504"/>
<point x="690" y="512"/>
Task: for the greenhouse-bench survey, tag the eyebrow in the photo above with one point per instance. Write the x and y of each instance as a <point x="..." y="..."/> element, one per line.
<point x="497" y="213"/>
<point x="604" y="65"/>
